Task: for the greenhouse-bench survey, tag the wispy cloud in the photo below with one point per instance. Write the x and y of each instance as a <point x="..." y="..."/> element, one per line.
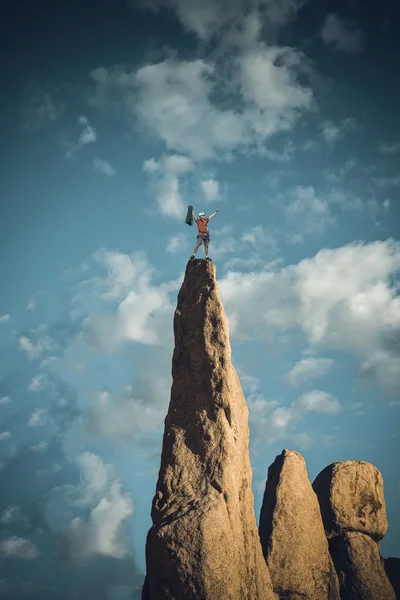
<point x="332" y="132"/>
<point x="271" y="421"/>
<point x="39" y="382"/>
<point x="104" y="167"/>
<point x="176" y="243"/>
<point x="317" y="401"/>
<point x="309" y="369"/>
<point x="101" y="530"/>
<point x="17" y="547"/>
<point x="35" y="349"/>
<point x="210" y="189"/>
<point x="343" y="35"/>
<point x="141" y="304"/>
<point x="177" y="101"/>
<point x="385" y="148"/>
<point x="41" y="106"/>
<point x="37" y="417"/>
<point x="4" y="319"/>
<point x="32" y="304"/>
<point x="167" y="176"/>
<point x="87" y="136"/>
<point x="124" y="417"/>
<point x="310" y="211"/>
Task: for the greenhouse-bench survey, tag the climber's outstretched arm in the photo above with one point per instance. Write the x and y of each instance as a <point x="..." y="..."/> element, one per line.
<point x="213" y="215"/>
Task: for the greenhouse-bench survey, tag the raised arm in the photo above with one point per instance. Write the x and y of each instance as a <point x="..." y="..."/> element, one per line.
<point x="213" y="215"/>
<point x="193" y="215"/>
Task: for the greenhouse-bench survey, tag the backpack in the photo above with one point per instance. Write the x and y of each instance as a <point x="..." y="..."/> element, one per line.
<point x="189" y="216"/>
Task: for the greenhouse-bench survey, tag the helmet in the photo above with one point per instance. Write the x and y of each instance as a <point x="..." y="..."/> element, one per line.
<point x="202" y="214"/>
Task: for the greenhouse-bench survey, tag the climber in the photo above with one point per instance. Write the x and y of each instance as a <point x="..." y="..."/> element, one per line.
<point x="203" y="236"/>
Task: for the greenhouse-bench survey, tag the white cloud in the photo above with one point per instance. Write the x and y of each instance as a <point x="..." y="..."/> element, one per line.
<point x="385" y="148"/>
<point x="34" y="350"/>
<point x="37" y="418"/>
<point x="38" y="383"/>
<point x="87" y="136"/>
<point x="125" y="418"/>
<point x="176" y="243"/>
<point x="99" y="495"/>
<point x="176" y="101"/>
<point x="341" y="298"/>
<point x="330" y="132"/>
<point x="320" y="402"/>
<point x="102" y="166"/>
<point x="210" y="189"/>
<point x="270" y="421"/>
<point x="308" y="369"/>
<point x="343" y="35"/>
<point x="4" y="436"/>
<point x="167" y="175"/>
<point x="4" y="400"/>
<point x="39" y="447"/>
<point x="272" y="95"/>
<point x="4" y="319"/>
<point x="17" y="547"/>
<point x="142" y="305"/>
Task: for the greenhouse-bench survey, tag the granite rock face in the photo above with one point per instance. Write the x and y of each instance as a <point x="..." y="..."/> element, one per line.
<point x="353" y="510"/>
<point x="351" y="498"/>
<point x="292" y="534"/>
<point x="361" y="572"/>
<point x="204" y="544"/>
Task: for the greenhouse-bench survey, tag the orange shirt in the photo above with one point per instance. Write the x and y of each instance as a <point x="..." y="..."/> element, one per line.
<point x="202" y="225"/>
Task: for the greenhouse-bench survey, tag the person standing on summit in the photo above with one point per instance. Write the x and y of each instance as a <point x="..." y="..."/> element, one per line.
<point x="203" y="235"/>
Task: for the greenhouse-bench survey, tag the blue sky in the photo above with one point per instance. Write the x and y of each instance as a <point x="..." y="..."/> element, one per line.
<point x="284" y="115"/>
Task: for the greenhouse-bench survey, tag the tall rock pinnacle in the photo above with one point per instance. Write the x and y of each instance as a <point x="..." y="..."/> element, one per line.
<point x="292" y="534"/>
<point x="204" y="544"/>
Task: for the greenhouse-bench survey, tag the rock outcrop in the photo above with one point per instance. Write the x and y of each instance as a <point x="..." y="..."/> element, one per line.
<point x="353" y="510"/>
<point x="292" y="534"/>
<point x="351" y="499"/>
<point x="392" y="568"/>
<point x="204" y="544"/>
